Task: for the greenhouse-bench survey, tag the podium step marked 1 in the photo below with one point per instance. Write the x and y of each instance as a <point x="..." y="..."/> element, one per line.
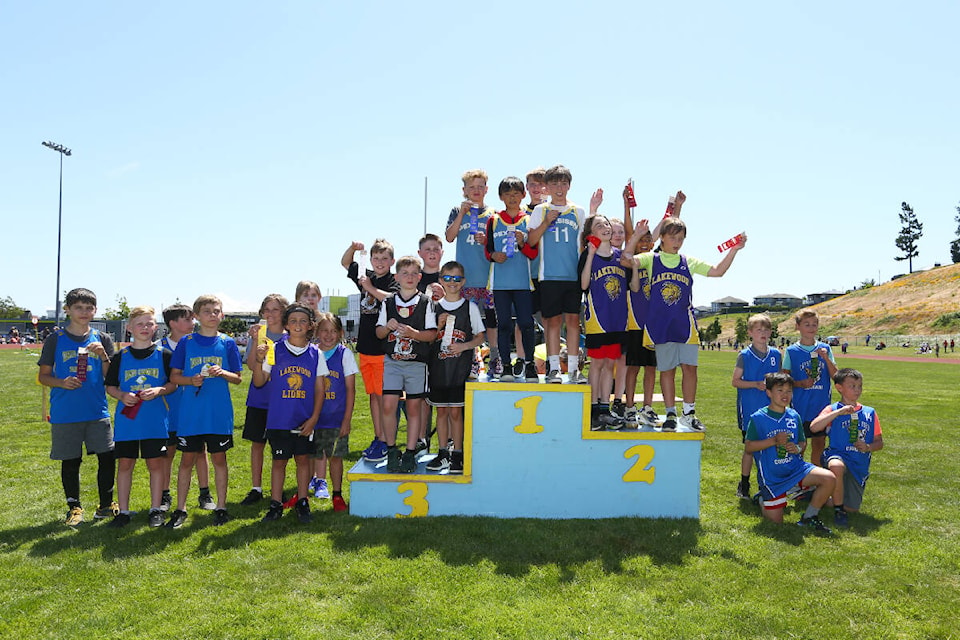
<point x="529" y="453"/>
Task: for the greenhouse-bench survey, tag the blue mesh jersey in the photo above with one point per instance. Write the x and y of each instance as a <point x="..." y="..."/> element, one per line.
<point x="206" y="410"/>
<point x="670" y="315"/>
<point x="777" y="470"/>
<point x="469" y="251"/>
<point x="560" y="244"/>
<point x="136" y="375"/>
<point x="638" y="302"/>
<point x="87" y="403"/>
<point x="809" y="402"/>
<point x="335" y="394"/>
<point x="514" y="274"/>
<point x="841" y="440"/>
<point x="292" y="386"/>
<point x="755" y="366"/>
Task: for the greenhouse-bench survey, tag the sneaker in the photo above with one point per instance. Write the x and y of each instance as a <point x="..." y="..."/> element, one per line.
<point x="376" y="452"/>
<point x="107" y="512"/>
<point x="692" y="422"/>
<point x="393" y="460"/>
<point x="119" y="521"/>
<point x="649" y="417"/>
<point x="220" y="517"/>
<point x="670" y="424"/>
<point x="322" y="491"/>
<point x="840" y="518"/>
<point x="255" y="496"/>
<point x="630" y="418"/>
<point x="813" y="522"/>
<point x="74" y="516"/>
<point x="474" y="370"/>
<point x="553" y="377"/>
<point x="155" y="519"/>
<point x="166" y="501"/>
<point x="456" y="463"/>
<point x="518" y="368"/>
<point x="507" y="376"/>
<point x="177" y="518"/>
<point x="743" y="490"/>
<point x="607" y="421"/>
<point x="303" y="511"/>
<point x="206" y="502"/>
<point x="530" y="372"/>
<point x="275" y="512"/>
<point x="339" y="504"/>
<point x="314" y="484"/>
<point x="408" y="463"/>
<point x="441" y="462"/>
<point x="421" y="448"/>
<point x="577" y="377"/>
<point x="618" y="409"/>
<point x="496" y="369"/>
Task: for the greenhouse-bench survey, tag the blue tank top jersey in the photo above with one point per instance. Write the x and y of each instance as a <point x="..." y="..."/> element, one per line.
<point x="173" y="400"/>
<point x="335" y="396"/>
<point x="606" y="301"/>
<point x="809" y="402"/>
<point x="514" y="274"/>
<point x="670" y="315"/>
<point x="470" y="252"/>
<point x="205" y="410"/>
<point x="87" y="403"/>
<point x="638" y="302"/>
<point x="292" y="387"/>
<point x="259" y="397"/>
<point x="777" y="470"/>
<point x="755" y="367"/>
<point x="560" y="247"/>
<point x="841" y="441"/>
<point x="137" y="375"/>
<point x="534" y="262"/>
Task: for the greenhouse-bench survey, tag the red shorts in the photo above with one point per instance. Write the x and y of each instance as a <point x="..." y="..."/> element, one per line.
<point x="607" y="351"/>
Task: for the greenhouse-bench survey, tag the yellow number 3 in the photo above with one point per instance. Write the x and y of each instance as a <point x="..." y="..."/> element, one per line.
<point x="416" y="500"/>
<point x="638" y="472"/>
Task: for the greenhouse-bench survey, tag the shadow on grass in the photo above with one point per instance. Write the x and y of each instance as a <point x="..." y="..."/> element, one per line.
<point x="861" y="524"/>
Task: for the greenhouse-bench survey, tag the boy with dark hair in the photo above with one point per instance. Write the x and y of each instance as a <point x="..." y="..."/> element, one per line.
<point x="138" y="377"/>
<point x="206" y="360"/>
<point x="775" y="438"/>
<point x="855" y="434"/>
<point x="430" y="250"/>
<point x="73" y="362"/>
<point x="555" y="230"/>
<point x="811" y="365"/>
<point x="537" y="190"/>
<point x="509" y="276"/>
<point x="406" y="326"/>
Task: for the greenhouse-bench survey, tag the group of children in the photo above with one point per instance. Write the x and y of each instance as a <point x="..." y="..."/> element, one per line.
<point x="784" y="401"/>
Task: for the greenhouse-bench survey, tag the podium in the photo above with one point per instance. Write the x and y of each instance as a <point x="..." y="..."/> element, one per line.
<point x="529" y="453"/>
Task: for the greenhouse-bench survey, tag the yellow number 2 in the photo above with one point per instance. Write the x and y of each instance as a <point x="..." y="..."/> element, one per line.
<point x="416" y="500"/>
<point x="638" y="472"/>
<point x="528" y="419"/>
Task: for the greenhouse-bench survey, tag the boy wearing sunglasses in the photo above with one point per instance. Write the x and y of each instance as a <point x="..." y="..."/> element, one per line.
<point x="450" y="359"/>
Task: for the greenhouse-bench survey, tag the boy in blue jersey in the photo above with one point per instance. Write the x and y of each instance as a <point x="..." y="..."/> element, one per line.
<point x="811" y="365"/>
<point x="466" y="225"/>
<point x="509" y="279"/>
<point x="854" y="432"/>
<point x="138" y="377"/>
<point x="296" y="384"/>
<point x="179" y="320"/>
<point x="555" y="230"/>
<point x="205" y="362"/>
<point x="753" y="364"/>
<point x="670" y="323"/>
<point x="775" y="439"/>
<point x="72" y="363"/>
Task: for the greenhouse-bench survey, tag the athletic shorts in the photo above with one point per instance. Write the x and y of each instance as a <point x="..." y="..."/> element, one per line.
<point x="371" y="369"/>
<point x="560" y="296"/>
<point x="671" y="355"/>
<point x="67" y="439"/>
<point x="598" y="340"/>
<point x="604" y="352"/>
<point x="172" y="441"/>
<point x="330" y="444"/>
<point x="214" y="443"/>
<point x="812" y="434"/>
<point x="771" y="502"/>
<point x="146" y="449"/>
<point x="255" y="425"/>
<point x="447" y="396"/>
<point x="285" y="445"/>
<point x="637" y="354"/>
<point x="408" y="376"/>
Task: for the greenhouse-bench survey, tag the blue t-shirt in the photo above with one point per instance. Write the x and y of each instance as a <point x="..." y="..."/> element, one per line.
<point x="208" y="409"/>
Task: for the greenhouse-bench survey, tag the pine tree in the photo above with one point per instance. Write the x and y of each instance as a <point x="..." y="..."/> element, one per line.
<point x="955" y="245"/>
<point x="910" y="233"/>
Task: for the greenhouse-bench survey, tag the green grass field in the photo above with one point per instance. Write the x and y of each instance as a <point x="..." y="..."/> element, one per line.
<point x="893" y="574"/>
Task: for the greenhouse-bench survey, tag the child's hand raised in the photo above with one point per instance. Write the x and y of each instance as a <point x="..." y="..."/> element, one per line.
<point x="595" y="201"/>
<point x="357" y="246"/>
<point x="642" y="228"/>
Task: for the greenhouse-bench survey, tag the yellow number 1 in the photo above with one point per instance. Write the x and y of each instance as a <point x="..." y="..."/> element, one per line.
<point x="638" y="472"/>
<point x="528" y="419"/>
<point x="416" y="500"/>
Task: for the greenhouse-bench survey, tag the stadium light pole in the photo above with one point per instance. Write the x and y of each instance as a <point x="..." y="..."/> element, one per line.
<point x="63" y="151"/>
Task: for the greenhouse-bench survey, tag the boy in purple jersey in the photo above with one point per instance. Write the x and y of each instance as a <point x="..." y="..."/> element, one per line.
<point x="670" y="324"/>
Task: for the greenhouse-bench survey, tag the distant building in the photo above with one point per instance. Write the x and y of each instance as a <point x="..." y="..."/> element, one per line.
<point x="817" y="298"/>
<point x="728" y="303"/>
<point x="778" y="300"/>
<point x="702" y="310"/>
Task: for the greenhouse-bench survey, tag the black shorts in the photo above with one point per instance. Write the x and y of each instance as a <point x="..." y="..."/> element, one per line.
<point x="811" y="434"/>
<point x="285" y="445"/>
<point x="214" y="443"/>
<point x="560" y="296"/>
<point x="447" y="396"/>
<point x="146" y="449"/>
<point x="172" y="441"/>
<point x="255" y="425"/>
<point x="597" y="340"/>
<point x="637" y="354"/>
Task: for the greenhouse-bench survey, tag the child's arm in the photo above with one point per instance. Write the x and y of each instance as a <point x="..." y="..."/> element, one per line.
<point x="128" y="399"/>
<point x="347" y="258"/>
<point x="678" y="203"/>
<point x="628" y="216"/>
<point x="260" y="377"/>
<point x="155" y="392"/>
<point x="47" y="379"/>
<point x="351" y="385"/>
<point x="827" y="354"/>
<point x="588" y="263"/>
<point x="635" y="279"/>
<point x="822" y="421"/>
<point x="595" y="201"/>
<point x="319" y="392"/>
<point x="864" y="447"/>
<point x="721" y="268"/>
<point x="379" y="294"/>
<point x="549" y="217"/>
<point x="454" y="227"/>
<point x="628" y="257"/>
<point x="740" y="383"/>
<point x="177" y="377"/>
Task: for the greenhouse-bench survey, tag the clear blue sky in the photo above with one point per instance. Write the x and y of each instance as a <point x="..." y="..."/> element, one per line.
<point x="236" y="148"/>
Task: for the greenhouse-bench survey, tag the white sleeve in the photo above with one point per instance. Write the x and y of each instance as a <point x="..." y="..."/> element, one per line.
<point x="536" y="217"/>
<point x="350" y="367"/>
<point x="267" y="367"/>
<point x="476" y="320"/>
<point x="382" y="318"/>
<point x="322" y="369"/>
<point x="430" y="319"/>
<point x="581" y="221"/>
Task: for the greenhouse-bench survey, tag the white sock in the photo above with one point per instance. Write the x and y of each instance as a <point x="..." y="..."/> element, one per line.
<point x="554" y="362"/>
<point x="670" y="410"/>
<point x="573" y="363"/>
<point x="689" y="407"/>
